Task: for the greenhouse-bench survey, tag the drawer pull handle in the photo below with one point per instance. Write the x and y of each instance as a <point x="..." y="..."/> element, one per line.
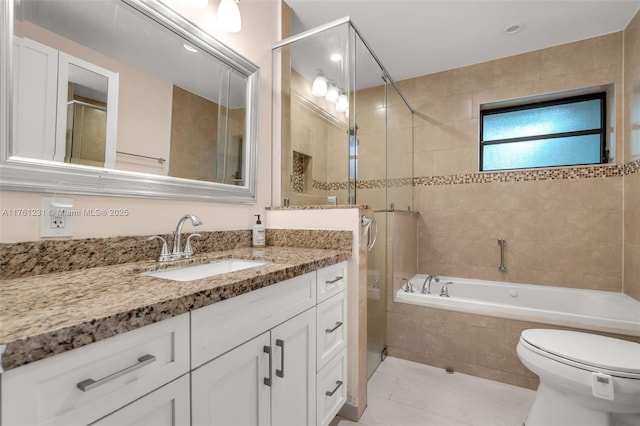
<point x="280" y="373"/>
<point x="331" y="330"/>
<point x="88" y="384"/>
<point x="330" y="393"/>
<point x="333" y="281"/>
<point x="267" y="380"/>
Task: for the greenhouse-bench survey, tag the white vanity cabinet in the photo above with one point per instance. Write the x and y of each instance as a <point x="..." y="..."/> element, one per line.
<point x="331" y="337"/>
<point x="167" y="406"/>
<point x="269" y="379"/>
<point x="273" y="356"/>
<point x="83" y="385"/>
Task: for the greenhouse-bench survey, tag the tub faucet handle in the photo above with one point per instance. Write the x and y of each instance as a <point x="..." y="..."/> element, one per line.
<point x="407" y="287"/>
<point x="444" y="291"/>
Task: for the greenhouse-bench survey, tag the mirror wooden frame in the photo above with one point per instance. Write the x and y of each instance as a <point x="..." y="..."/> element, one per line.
<point x="25" y="174"/>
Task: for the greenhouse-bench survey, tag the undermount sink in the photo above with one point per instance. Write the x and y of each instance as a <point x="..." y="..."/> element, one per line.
<point x="204" y="270"/>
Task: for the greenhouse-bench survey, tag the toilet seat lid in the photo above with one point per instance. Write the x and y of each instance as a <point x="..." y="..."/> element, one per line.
<point x="588" y="349"/>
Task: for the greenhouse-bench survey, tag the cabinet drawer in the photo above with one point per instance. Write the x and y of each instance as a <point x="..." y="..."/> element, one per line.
<point x="220" y="327"/>
<point x="331" y="280"/>
<point x="121" y="369"/>
<point x="167" y="406"/>
<point x="331" y="332"/>
<point x="332" y="388"/>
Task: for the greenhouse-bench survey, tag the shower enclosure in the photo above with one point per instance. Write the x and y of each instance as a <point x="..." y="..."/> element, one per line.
<point x="346" y="138"/>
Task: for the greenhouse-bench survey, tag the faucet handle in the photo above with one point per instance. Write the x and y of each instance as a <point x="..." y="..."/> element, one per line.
<point x="444" y="291"/>
<point x="164" y="252"/>
<point x="188" y="250"/>
<point x="407" y="287"/>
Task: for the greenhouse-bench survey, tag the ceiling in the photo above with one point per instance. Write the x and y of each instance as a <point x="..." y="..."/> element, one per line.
<point x="419" y="37"/>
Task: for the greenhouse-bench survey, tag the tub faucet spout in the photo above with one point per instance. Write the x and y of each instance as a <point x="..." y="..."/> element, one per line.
<point x="426" y="285"/>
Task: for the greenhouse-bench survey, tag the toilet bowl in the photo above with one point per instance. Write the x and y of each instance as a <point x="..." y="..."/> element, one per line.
<point x="585" y="379"/>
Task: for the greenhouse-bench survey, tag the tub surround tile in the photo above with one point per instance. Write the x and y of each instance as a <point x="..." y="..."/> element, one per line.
<point x="473" y="344"/>
<point x="42" y="315"/>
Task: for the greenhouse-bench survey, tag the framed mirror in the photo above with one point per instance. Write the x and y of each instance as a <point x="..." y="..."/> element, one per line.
<point x="124" y="98"/>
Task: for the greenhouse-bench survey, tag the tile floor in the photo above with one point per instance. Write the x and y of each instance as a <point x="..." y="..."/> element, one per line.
<point x="405" y="393"/>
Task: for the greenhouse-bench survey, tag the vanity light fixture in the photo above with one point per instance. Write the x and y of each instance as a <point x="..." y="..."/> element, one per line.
<point x="319" y="86"/>
<point x="342" y="104"/>
<point x="229" y="18"/>
<point x="332" y="93"/>
<point x="335" y="57"/>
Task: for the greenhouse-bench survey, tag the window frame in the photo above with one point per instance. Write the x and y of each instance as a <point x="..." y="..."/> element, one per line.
<point x="602" y="131"/>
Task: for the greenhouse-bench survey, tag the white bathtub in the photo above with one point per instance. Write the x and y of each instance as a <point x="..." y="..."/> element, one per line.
<point x="587" y="309"/>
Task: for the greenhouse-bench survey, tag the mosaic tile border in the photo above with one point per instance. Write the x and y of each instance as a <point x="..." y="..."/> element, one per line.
<point x="632" y="167"/>
<point x="487" y="177"/>
<point x="523" y="175"/>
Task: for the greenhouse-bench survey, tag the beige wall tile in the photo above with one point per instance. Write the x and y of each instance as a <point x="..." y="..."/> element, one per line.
<point x="566" y="58"/>
<point x="607" y="51"/>
<point x="454" y="161"/>
<point x="423" y="164"/>
<point x="433" y="137"/>
<point x="517" y="69"/>
<point x="473" y="77"/>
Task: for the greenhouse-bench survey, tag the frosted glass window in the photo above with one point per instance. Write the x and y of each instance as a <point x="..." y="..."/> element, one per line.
<point x="564" y="132"/>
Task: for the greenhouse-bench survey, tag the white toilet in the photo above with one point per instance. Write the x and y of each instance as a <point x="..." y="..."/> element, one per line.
<point x="585" y="379"/>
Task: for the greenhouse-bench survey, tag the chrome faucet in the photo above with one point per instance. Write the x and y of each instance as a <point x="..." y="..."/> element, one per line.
<point x="426" y="285"/>
<point x="177" y="252"/>
<point x="407" y="287"/>
<point x="177" y="235"/>
<point x="444" y="291"/>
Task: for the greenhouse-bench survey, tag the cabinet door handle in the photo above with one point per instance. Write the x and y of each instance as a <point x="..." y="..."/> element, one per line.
<point x="330" y="393"/>
<point x="331" y="330"/>
<point x="333" y="281"/>
<point x="267" y="380"/>
<point x="280" y="373"/>
<point x="88" y="384"/>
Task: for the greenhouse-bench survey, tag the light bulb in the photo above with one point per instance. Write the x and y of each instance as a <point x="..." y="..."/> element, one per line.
<point x="229" y="18"/>
<point x="319" y="86"/>
<point x="332" y="93"/>
<point x="343" y="103"/>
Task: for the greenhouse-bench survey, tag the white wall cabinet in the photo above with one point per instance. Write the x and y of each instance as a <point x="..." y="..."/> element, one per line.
<point x="269" y="357"/>
<point x="34" y="99"/>
<point x="40" y="100"/>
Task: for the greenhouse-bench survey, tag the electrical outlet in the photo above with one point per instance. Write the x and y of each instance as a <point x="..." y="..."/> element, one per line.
<point x="57" y="222"/>
<point x="57" y="217"/>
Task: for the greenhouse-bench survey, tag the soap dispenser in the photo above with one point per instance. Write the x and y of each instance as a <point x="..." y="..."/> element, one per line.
<point x="258" y="233"/>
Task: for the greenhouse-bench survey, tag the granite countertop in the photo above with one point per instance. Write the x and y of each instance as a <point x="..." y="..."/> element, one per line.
<point x="43" y="315"/>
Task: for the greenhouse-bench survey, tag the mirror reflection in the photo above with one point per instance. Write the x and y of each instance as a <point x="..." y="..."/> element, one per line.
<point x="97" y="83"/>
